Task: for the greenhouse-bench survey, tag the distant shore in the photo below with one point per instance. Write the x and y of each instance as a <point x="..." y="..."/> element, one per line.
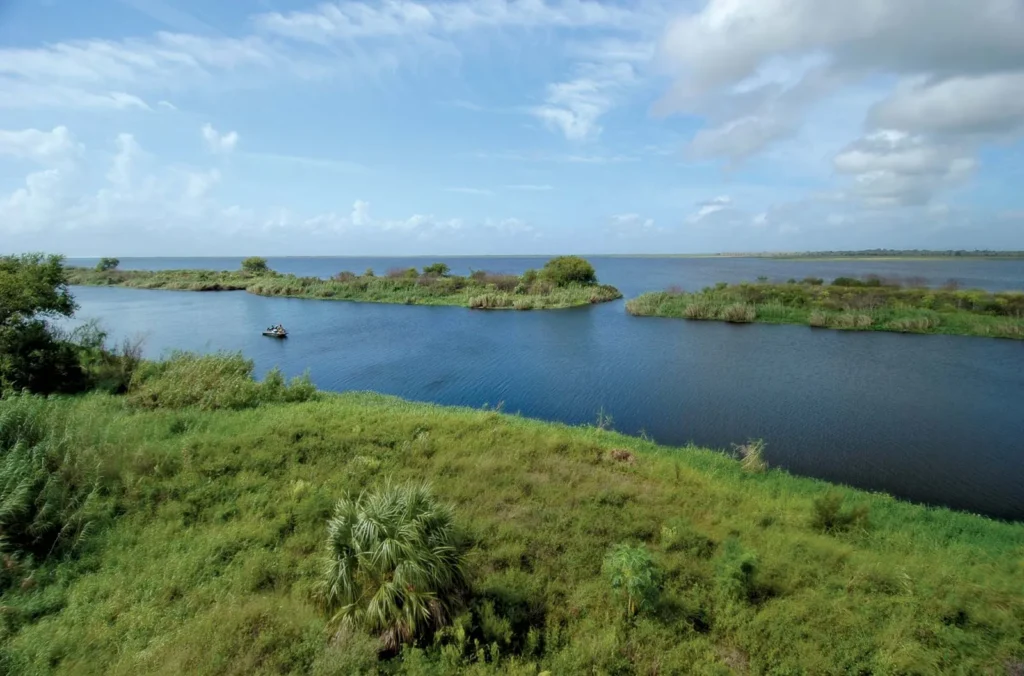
<point x="871" y="304"/>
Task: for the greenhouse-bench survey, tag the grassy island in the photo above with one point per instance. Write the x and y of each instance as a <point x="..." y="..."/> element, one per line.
<point x="565" y="281"/>
<point x="868" y="304"/>
<point x="190" y="525"/>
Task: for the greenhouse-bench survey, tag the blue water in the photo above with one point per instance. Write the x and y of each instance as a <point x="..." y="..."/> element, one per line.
<point x="936" y="419"/>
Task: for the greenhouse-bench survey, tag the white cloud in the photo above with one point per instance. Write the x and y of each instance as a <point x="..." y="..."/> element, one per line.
<point x="987" y="105"/>
<point x="217" y="142"/>
<point x="340" y="22"/>
<point x="574" y="107"/>
<point x="754" y="70"/>
<point x="471" y="191"/>
<point x="709" y="207"/>
<point x="52" y="147"/>
<point x="893" y="168"/>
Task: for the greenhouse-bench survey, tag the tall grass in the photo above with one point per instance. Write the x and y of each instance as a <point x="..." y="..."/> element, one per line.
<point x="209" y="560"/>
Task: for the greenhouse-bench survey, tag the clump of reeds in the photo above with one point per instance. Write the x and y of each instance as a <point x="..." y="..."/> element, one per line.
<point x="701" y="309"/>
<point x="739" y="313"/>
<point x="851" y="321"/>
<point x="914" y="324"/>
<point x="818" y="319"/>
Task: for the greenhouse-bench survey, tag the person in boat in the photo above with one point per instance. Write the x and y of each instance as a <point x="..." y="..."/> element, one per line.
<point x="279" y="329"/>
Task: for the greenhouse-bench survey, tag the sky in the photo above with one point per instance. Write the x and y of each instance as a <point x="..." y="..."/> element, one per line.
<point x="413" y="127"/>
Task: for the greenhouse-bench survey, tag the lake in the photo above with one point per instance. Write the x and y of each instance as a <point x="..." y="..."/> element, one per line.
<point x="935" y="419"/>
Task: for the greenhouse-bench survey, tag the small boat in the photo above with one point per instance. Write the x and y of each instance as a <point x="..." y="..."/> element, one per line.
<point x="274" y="333"/>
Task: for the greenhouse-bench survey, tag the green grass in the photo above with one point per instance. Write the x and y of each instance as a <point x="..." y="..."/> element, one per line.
<point x="206" y="535"/>
<point x="871" y="306"/>
<point x="484" y="291"/>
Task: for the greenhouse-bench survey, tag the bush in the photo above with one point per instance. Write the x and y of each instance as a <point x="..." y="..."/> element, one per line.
<point x="211" y="382"/>
<point x="632" y="573"/>
<point x="736" y="571"/>
<point x="852" y="321"/>
<point x="812" y="281"/>
<point x="437" y="270"/>
<point x="368" y="272"/>
<point x="107" y="264"/>
<point x="818" y="319"/>
<point x="394" y="564"/>
<point x="914" y="324"/>
<point x="566" y="270"/>
<point x="255" y="265"/>
<point x="345" y="276"/>
<point x="529" y="277"/>
<point x="830" y="517"/>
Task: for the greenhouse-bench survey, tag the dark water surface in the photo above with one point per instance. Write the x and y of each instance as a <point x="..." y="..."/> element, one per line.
<point x="936" y="419"/>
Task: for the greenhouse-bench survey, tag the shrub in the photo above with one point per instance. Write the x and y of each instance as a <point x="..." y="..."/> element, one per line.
<point x="396" y="273"/>
<point x="812" y="281"/>
<point x="566" y="270"/>
<point x="394" y="564"/>
<point x="634" y="576"/>
<point x="255" y="265"/>
<point x="523" y="304"/>
<point x="739" y="313"/>
<point x="830" y="517"/>
<point x="107" y="264"/>
<point x="368" y="272"/>
<point x="437" y="269"/>
<point x="210" y="382"/>
<point x="736" y="571"/>
<point x="529" y="277"/>
<point x="345" y="276"/>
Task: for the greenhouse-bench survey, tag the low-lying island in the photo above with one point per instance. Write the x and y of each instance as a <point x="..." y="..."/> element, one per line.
<point x="565" y="281"/>
<point x="869" y="304"/>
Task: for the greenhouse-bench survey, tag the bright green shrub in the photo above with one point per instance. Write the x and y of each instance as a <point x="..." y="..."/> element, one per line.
<point x="634" y="576"/>
<point x="566" y="270"/>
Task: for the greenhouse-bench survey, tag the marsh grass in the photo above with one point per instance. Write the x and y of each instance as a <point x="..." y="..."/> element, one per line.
<point x="869" y="304"/>
<point x="206" y="536"/>
<point x="481" y="290"/>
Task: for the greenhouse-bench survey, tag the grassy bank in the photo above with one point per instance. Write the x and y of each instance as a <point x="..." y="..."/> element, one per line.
<point x="869" y="304"/>
<point x="186" y="531"/>
<point x="535" y="290"/>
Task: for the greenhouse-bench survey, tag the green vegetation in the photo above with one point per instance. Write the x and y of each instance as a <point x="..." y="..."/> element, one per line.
<point x="869" y="304"/>
<point x="37" y="357"/>
<point x="182" y="533"/>
<point x="566" y="281"/>
<point x="106" y="264"/>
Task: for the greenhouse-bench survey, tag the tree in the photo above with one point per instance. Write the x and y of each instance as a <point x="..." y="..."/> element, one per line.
<point x="255" y="265"/>
<point x="437" y="269"/>
<point x="106" y="264"/>
<point x="567" y="270"/>
<point x="33" y="288"/>
<point x="632" y="573"/>
<point x="394" y="565"/>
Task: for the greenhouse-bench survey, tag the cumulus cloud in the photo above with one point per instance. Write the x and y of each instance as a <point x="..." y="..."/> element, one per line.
<point x="753" y="70"/>
<point x="893" y="168"/>
<point x="217" y="142"/>
<point x="44" y="147"/>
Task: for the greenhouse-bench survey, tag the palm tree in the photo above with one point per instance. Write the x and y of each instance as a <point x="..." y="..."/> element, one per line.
<point x="393" y="565"/>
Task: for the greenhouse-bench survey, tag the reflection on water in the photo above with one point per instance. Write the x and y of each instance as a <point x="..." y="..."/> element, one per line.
<point x="931" y="418"/>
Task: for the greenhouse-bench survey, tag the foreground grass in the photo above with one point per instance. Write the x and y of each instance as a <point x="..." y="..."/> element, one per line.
<point x="863" y="306"/>
<point x="482" y="291"/>
<point x="207" y="527"/>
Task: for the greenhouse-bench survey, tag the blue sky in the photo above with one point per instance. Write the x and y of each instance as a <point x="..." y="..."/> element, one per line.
<point x="181" y="127"/>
